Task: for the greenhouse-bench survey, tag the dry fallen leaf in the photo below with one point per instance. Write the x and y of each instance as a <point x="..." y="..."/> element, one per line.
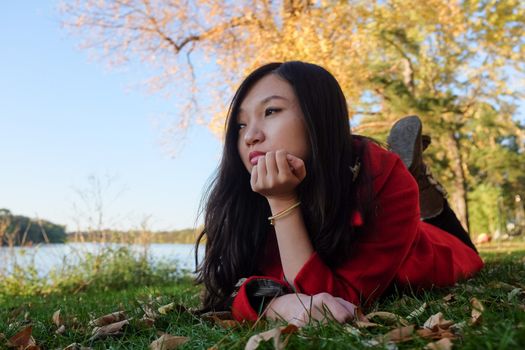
<point x="501" y="285"/>
<point x="168" y="342"/>
<point x="437" y="321"/>
<point x="439" y="333"/>
<point x="109" y="330"/>
<point x="108" y="319"/>
<point x="57" y="320"/>
<point x="388" y="317"/>
<point x="150" y="312"/>
<point x="365" y="324"/>
<point x="146" y="322"/>
<point x="22" y="339"/>
<point x="60" y="330"/>
<point x="163" y="310"/>
<point x="442" y="344"/>
<point x="226" y="324"/>
<point x="275" y="334"/>
<point x="223" y="319"/>
<point x="399" y="335"/>
<point x="477" y="311"/>
<point x="449" y="297"/>
<point x="417" y="312"/>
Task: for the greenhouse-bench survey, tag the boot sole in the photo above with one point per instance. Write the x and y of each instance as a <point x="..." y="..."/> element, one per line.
<point x="403" y="136"/>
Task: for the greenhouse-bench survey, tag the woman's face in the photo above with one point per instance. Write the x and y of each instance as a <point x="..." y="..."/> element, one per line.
<point x="271" y="119"/>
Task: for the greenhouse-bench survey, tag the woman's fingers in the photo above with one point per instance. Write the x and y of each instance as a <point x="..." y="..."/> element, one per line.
<point x="300" y="309"/>
<point x="254" y="176"/>
<point x="283" y="166"/>
<point x="277" y="174"/>
<point x="329" y="307"/>
<point x="261" y="167"/>
<point x="348" y="305"/>
<point x="297" y="164"/>
<point x="271" y="165"/>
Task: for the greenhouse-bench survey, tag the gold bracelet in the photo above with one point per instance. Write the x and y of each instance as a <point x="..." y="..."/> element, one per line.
<point x="282" y="213"/>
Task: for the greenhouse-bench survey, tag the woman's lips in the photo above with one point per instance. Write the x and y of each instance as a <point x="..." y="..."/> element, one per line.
<point x="254" y="157"/>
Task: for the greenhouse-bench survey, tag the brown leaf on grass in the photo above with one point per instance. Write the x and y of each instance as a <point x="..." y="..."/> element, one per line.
<point x="23" y="339"/>
<point x="226" y="324"/>
<point x="165" y="309"/>
<point x="274" y="334"/>
<point x="60" y="330"/>
<point x="399" y="335"/>
<point x="437" y="321"/>
<point x="57" y="320"/>
<point x="108" y="319"/>
<point x="388" y="318"/>
<point x="146" y="322"/>
<point x="449" y="297"/>
<point x="223" y="319"/>
<point x="439" y="333"/>
<point x="109" y="330"/>
<point x="168" y="342"/>
<point x="150" y="312"/>
<point x="501" y="285"/>
<point x="365" y="324"/>
<point x="477" y="311"/>
<point x="417" y="312"/>
<point x="442" y="344"/>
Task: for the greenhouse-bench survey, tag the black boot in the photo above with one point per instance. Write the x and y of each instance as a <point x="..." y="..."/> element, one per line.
<point x="405" y="140"/>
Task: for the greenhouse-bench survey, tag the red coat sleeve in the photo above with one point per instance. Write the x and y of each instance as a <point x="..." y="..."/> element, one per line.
<point x="384" y="244"/>
<point x="241" y="307"/>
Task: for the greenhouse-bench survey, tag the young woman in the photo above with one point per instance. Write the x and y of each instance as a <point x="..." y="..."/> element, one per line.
<point x="305" y="220"/>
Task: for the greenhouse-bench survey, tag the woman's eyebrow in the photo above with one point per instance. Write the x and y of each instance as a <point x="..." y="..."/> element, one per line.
<point x="266" y="100"/>
<point x="269" y="98"/>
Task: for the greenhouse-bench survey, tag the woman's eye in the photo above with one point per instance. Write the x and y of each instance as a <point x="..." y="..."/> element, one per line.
<point x="269" y="111"/>
<point x="241" y="126"/>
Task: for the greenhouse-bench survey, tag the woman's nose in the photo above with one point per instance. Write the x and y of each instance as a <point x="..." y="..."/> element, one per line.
<point x="254" y="134"/>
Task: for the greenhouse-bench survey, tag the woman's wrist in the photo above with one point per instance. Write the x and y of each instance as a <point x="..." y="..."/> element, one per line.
<point x="278" y="204"/>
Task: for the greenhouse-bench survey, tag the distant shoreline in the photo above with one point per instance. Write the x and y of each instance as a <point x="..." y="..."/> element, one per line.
<point x="185" y="236"/>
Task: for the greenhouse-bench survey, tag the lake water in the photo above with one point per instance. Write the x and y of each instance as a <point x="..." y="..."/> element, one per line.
<point x="47" y="257"/>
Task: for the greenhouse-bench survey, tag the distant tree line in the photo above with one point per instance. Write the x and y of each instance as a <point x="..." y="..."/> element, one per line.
<point x="18" y="230"/>
<point x="135" y="236"/>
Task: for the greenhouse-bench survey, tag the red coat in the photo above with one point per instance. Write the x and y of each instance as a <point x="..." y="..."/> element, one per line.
<point x="399" y="249"/>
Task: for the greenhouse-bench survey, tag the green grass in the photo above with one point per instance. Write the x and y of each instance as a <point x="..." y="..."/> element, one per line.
<point x="502" y="325"/>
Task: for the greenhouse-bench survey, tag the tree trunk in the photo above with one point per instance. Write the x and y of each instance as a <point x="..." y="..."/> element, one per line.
<point x="459" y="195"/>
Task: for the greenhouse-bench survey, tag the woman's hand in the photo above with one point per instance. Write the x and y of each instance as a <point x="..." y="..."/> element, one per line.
<point x="299" y="309"/>
<point x="277" y="175"/>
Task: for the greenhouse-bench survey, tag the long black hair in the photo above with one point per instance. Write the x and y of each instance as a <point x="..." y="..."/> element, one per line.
<point x="235" y="222"/>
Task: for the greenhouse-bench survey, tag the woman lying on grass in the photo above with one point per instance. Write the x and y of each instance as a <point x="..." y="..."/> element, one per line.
<point x="305" y="220"/>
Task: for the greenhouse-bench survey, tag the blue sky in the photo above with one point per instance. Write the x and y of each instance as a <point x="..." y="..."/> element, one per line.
<point x="64" y="117"/>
